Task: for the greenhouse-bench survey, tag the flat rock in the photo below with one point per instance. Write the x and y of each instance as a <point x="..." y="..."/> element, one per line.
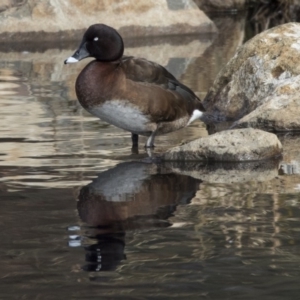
<point x="246" y="144"/>
<point x="260" y="85"/>
<point x="280" y="113"/>
<point x="46" y="20"/>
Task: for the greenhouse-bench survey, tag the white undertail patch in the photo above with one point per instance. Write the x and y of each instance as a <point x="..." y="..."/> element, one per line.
<point x="195" y="116"/>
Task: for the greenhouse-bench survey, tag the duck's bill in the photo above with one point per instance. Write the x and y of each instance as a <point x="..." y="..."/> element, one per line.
<point x="80" y="54"/>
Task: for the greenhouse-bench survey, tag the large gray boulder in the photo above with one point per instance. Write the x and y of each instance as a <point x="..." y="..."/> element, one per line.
<point x="260" y="85"/>
<point x="230" y="145"/>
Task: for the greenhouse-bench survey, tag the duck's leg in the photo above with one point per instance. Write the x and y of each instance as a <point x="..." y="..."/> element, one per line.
<point x="149" y="152"/>
<point x="150" y="141"/>
<point x="135" y="140"/>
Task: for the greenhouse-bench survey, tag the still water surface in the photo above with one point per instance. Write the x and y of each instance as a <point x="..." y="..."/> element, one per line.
<point x="82" y="217"/>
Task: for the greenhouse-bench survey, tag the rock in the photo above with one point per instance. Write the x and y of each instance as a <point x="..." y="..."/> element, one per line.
<point x="46" y="20"/>
<point x="230" y="145"/>
<point x="279" y="113"/>
<point x="221" y="5"/>
<point x="262" y="80"/>
<point x="6" y="4"/>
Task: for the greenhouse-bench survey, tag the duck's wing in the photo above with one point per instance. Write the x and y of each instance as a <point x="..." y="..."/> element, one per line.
<point x="142" y="70"/>
<point x="178" y="98"/>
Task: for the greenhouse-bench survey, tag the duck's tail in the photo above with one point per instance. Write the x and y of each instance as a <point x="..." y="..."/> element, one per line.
<point x="210" y="117"/>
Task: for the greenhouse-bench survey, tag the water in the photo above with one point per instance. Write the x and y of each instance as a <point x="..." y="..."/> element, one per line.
<point x="82" y="217"/>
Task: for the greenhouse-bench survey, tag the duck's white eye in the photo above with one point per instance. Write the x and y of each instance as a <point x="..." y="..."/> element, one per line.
<point x="96" y="38"/>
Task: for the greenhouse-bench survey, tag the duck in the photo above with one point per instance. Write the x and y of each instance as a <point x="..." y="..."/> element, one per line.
<point x="134" y="94"/>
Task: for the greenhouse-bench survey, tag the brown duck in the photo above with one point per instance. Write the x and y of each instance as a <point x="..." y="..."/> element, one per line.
<point x="131" y="93"/>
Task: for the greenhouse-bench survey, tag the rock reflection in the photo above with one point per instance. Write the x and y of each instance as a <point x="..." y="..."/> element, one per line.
<point x="130" y="196"/>
<point x="226" y="172"/>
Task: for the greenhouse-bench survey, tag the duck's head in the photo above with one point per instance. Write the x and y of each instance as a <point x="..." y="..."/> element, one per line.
<point x="101" y="42"/>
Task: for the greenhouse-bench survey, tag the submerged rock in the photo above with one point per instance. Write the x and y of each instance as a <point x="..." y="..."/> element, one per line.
<point x="261" y="83"/>
<point x="230" y="145"/>
<point x="46" y="20"/>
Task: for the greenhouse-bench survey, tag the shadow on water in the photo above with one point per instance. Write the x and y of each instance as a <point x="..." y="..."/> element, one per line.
<point x="130" y="196"/>
<point x="141" y="196"/>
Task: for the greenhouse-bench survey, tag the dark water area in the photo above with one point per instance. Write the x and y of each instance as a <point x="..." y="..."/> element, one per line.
<point x="84" y="217"/>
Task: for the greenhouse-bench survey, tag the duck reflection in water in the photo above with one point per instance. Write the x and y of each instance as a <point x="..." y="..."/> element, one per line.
<point x="132" y="195"/>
